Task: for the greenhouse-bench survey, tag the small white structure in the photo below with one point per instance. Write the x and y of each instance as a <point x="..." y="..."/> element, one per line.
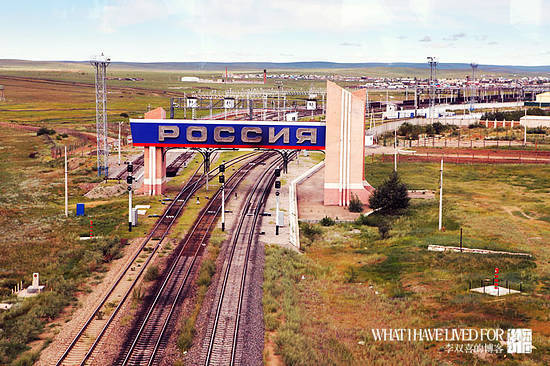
<point x="190" y="79"/>
<point x="33" y="289"/>
<point x="369" y="140"/>
<point x="229" y="103"/>
<point x="495" y="290"/>
<point x="192" y="103"/>
<point x="291" y="117"/>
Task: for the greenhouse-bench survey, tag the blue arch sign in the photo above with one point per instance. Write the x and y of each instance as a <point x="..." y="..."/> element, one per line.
<point x="228" y="134"/>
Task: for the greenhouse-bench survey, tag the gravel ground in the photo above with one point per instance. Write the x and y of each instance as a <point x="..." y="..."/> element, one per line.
<point x="72" y="322"/>
<point x="254" y="313"/>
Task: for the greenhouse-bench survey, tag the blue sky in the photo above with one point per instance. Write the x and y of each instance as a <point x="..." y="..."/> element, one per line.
<point x="512" y="32"/>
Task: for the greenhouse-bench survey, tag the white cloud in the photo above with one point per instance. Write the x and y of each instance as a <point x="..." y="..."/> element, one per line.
<point x="526" y="11"/>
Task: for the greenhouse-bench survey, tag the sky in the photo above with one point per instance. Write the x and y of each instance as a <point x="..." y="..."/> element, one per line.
<point x="503" y="32"/>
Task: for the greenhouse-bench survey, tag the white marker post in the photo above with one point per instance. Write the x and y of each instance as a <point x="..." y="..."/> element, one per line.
<point x="129" y="208"/>
<point x="223" y="208"/>
<point x="395" y="150"/>
<point x="441" y="194"/>
<point x="525" y="134"/>
<point x="66" y="187"/>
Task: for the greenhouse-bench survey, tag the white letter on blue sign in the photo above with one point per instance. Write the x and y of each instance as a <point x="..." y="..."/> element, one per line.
<point x="312" y="137"/>
<point x="199" y="129"/>
<point x="218" y="134"/>
<point x="246" y="130"/>
<point x="285" y="133"/>
<point x="168" y="131"/>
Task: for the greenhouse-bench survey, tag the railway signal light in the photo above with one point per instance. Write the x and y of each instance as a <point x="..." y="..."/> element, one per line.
<point x="277" y="184"/>
<point x="129" y="179"/>
<point x="222" y="168"/>
<point x="130" y="168"/>
<point x="222" y="179"/>
<point x="277" y="172"/>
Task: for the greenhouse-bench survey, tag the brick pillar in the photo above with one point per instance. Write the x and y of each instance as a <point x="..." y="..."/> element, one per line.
<point x="345" y="147"/>
<point x="154" y="176"/>
<point x="154" y="158"/>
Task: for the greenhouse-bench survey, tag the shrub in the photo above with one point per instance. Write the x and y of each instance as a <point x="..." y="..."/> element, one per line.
<point x="355" y="205"/>
<point x="370" y="220"/>
<point x="309" y="231"/>
<point x="327" y="221"/>
<point x="391" y="196"/>
<point x="207" y="270"/>
<point x="384" y="229"/>
<point x="152" y="273"/>
<point x="123" y="114"/>
<point x="476" y="125"/>
<point x="45" y="131"/>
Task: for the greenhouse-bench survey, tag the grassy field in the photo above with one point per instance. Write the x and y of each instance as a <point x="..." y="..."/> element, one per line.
<point x="322" y="305"/>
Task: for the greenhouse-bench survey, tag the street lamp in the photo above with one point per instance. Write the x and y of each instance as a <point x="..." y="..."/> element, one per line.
<point x="119" y="124"/>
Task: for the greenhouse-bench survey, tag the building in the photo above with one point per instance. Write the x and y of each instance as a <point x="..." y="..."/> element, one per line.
<point x="543" y="97"/>
<point x="535" y="121"/>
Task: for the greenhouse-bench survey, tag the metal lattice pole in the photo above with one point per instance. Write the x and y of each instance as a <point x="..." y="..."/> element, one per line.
<point x="100" y="64"/>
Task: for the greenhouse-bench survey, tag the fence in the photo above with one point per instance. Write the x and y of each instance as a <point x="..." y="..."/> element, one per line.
<point x="294" y="229"/>
<point x="472" y="157"/>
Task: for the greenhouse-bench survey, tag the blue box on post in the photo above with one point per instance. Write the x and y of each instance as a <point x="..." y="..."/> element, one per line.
<point x="79" y="209"/>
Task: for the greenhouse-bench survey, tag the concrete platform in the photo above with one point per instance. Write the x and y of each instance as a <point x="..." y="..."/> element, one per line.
<point x="310" y="201"/>
<point x="498" y="291"/>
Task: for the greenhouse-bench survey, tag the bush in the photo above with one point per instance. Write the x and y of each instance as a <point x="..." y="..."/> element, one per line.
<point x="384" y="229"/>
<point x="309" y="231"/>
<point x="355" y="205"/>
<point x="370" y="220"/>
<point x="476" y="125"/>
<point x="327" y="221"/>
<point x="152" y="273"/>
<point x="123" y="114"/>
<point x="391" y="196"/>
<point x="45" y="131"/>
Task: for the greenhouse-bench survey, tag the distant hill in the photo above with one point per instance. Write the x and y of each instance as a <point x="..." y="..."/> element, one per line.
<point x="302" y="66"/>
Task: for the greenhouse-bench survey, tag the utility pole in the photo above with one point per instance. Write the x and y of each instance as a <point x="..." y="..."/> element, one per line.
<point x="277" y="187"/>
<point x="129" y="180"/>
<point x="441" y="194"/>
<point x="222" y="182"/>
<point x="119" y="124"/>
<point x="66" y="187"/>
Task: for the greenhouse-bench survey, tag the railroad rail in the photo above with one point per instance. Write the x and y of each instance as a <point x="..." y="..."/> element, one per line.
<point x="79" y="351"/>
<point x="223" y="332"/>
<point x="137" y="163"/>
<point x="148" y="336"/>
<point x="175" y="165"/>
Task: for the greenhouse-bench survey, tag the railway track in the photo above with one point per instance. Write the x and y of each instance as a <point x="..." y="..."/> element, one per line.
<point x="175" y="165"/>
<point x="223" y="342"/>
<point x="137" y="163"/>
<point x="80" y="349"/>
<point x="149" y="335"/>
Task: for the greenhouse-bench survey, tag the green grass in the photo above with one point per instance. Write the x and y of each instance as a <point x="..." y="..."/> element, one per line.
<point x="355" y="281"/>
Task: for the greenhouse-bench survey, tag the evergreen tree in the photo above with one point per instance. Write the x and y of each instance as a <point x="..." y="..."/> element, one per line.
<point x="391" y="196"/>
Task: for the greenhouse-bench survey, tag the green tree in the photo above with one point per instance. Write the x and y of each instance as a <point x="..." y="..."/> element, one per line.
<point x="391" y="196"/>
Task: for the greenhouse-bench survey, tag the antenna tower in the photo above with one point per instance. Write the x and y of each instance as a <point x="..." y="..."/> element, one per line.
<point x="100" y="64"/>
<point x="433" y="75"/>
